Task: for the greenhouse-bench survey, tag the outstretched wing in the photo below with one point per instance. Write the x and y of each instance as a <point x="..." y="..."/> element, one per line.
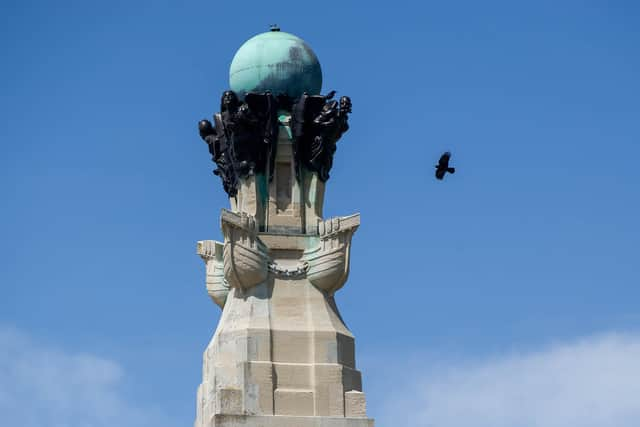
<point x="443" y="163"/>
<point x="440" y="173"/>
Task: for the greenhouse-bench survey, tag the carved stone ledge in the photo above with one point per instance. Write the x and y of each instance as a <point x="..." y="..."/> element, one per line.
<point x="288" y="421"/>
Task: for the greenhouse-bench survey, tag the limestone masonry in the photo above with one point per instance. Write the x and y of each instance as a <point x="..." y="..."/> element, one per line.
<point x="281" y="355"/>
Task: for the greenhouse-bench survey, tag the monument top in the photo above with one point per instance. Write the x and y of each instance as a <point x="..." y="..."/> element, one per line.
<point x="274" y="138"/>
<point x="278" y="62"/>
<point x="281" y="355"/>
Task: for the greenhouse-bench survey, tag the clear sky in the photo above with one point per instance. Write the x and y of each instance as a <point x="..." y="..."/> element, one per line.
<point x="506" y="295"/>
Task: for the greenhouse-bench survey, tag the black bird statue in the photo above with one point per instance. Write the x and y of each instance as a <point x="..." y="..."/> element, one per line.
<point x="443" y="166"/>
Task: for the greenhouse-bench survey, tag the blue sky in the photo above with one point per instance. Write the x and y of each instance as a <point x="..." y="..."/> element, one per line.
<point x="524" y="256"/>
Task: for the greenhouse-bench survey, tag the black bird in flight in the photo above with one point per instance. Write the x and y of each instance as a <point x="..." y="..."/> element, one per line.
<point x="443" y="166"/>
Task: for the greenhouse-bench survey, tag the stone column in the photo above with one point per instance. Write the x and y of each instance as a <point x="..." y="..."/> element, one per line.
<point x="281" y="355"/>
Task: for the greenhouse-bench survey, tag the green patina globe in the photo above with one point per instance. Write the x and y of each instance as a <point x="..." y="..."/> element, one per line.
<point x="278" y="62"/>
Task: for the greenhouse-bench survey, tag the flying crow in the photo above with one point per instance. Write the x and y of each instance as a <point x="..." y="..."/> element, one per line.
<point x="443" y="166"/>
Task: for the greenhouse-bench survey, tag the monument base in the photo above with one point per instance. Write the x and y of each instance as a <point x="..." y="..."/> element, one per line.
<point x="287" y="421"/>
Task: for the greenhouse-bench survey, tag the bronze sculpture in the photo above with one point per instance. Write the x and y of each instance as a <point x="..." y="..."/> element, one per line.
<point x="244" y="138"/>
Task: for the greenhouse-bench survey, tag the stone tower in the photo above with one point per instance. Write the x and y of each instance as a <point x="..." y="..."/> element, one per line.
<point x="281" y="355"/>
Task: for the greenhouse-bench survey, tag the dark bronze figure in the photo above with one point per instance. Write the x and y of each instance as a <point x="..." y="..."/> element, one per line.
<point x="218" y="148"/>
<point x="318" y="122"/>
<point x="244" y="137"/>
<point x="262" y="109"/>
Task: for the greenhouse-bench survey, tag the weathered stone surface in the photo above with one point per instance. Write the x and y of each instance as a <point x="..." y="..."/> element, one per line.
<point x="281" y="355"/>
<point x="284" y="348"/>
<point x="287" y="421"/>
<point x="355" y="404"/>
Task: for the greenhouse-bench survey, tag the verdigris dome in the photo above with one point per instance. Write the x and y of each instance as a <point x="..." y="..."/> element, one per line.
<point x="278" y="62"/>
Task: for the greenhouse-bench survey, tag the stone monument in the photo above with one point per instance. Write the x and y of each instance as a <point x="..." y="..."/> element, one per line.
<point x="281" y="355"/>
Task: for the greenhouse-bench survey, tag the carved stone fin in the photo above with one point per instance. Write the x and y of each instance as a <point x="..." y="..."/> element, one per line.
<point x="212" y="254"/>
<point x="328" y="262"/>
<point x="245" y="256"/>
